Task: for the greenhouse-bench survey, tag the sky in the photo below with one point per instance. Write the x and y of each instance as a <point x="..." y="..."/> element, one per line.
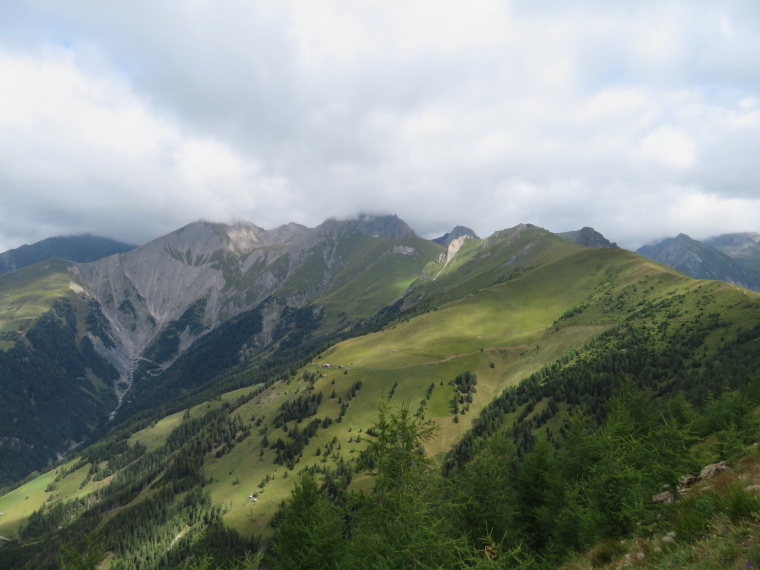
<point x="133" y="119"/>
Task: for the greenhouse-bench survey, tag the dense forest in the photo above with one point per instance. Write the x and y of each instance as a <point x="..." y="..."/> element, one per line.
<point x="50" y="373"/>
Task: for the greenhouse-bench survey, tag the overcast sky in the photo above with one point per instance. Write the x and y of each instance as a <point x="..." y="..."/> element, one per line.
<point x="132" y="119"/>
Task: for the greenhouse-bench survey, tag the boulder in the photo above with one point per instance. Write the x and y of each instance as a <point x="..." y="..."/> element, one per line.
<point x="712" y="470"/>
<point x="689" y="480"/>
<point x="665" y="497"/>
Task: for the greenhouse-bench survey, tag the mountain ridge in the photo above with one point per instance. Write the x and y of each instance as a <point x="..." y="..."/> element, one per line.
<point x="80" y="248"/>
<point x="702" y="261"/>
<point x="545" y="325"/>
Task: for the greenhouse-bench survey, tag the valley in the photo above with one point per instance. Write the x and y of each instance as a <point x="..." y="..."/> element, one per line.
<point x="510" y="338"/>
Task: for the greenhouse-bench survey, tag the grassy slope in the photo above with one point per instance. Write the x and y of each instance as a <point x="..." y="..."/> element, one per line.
<point x="29" y="292"/>
<point x="517" y="334"/>
<point x="503" y="332"/>
<point x="376" y="275"/>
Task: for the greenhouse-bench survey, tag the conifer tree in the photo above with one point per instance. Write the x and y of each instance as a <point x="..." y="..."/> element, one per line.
<point x="310" y="534"/>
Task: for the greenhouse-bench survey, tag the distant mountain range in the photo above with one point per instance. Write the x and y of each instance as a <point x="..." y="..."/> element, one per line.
<point x="734" y="258"/>
<point x="81" y="248"/>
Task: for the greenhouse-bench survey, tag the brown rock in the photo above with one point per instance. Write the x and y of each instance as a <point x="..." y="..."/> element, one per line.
<point x="712" y="470"/>
<point x="666" y="497"/>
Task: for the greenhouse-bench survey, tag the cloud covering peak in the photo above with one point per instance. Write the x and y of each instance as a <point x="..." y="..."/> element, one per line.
<point x="639" y="119"/>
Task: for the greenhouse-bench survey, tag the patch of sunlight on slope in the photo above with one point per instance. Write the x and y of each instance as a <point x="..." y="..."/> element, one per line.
<point x="28" y="293"/>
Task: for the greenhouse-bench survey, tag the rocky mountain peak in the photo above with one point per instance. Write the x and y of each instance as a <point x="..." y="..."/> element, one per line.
<point x="703" y="261"/>
<point x="587" y="237"/>
<point x="457" y="232"/>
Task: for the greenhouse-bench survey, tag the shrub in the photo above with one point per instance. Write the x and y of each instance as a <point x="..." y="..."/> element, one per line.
<point x="605" y="552"/>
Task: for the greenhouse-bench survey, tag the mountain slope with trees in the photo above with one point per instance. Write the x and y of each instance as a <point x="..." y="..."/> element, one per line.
<point x="143" y="310"/>
<point x="589" y="373"/>
<point x="55" y="389"/>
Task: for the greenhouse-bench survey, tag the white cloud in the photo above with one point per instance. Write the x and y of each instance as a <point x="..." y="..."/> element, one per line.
<point x="670" y="147"/>
<point x="79" y="152"/>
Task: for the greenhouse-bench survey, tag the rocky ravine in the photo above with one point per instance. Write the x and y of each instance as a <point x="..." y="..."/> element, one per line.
<point x="204" y="273"/>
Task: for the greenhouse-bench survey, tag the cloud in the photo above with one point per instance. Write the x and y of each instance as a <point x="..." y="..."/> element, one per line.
<point x="638" y="119"/>
<point x="670" y="147"/>
<point x="84" y="153"/>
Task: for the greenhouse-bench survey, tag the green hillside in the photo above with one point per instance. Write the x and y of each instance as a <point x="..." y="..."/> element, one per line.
<point x="55" y="388"/>
<point x="513" y="342"/>
<point x="28" y="293"/>
<point x="378" y="274"/>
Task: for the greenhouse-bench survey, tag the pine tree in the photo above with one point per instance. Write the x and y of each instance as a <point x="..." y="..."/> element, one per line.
<point x="404" y="523"/>
<point x="310" y="534"/>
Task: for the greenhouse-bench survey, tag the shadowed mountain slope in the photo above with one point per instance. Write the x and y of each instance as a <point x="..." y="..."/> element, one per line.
<point x="81" y="248"/>
<point x="702" y="261"/>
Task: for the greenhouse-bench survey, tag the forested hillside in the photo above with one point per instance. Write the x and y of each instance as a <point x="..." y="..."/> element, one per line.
<point x="55" y="388"/>
<point x="518" y="407"/>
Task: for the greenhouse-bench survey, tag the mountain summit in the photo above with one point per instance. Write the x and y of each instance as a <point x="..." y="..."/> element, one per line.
<point x="456" y="233"/>
<point x="587" y="237"/>
<point x="160" y="298"/>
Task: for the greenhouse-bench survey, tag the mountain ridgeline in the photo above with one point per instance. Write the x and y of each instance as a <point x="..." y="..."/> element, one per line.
<point x="732" y="257"/>
<point x="82" y="248"/>
<point x="408" y="402"/>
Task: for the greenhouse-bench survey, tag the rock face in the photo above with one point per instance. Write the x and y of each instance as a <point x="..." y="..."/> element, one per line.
<point x="454" y="246"/>
<point x="159" y="298"/>
<point x="738" y="244"/>
<point x="701" y="261"/>
<point x="664" y="497"/>
<point x="82" y="249"/>
<point x="457" y="232"/>
<point x="587" y="237"/>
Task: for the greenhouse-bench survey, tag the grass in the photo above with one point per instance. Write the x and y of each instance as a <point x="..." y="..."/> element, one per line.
<point x="20" y="503"/>
<point x="29" y="292"/>
<point x="376" y="276"/>
<point x="501" y="325"/>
